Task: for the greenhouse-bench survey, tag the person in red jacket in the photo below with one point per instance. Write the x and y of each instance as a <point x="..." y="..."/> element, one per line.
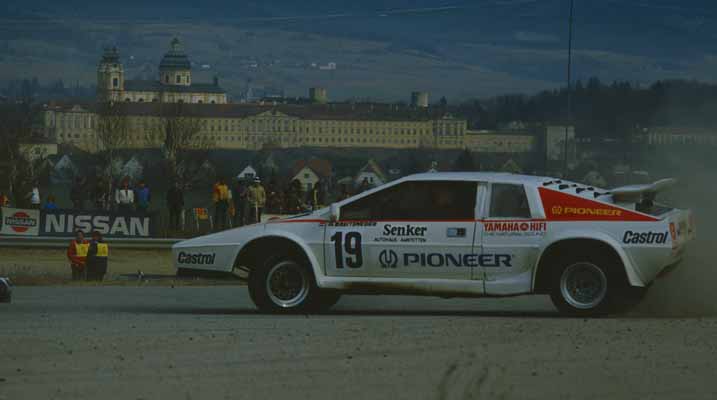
<point x="77" y="254"/>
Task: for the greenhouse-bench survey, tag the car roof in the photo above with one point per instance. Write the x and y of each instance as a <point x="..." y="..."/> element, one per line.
<point x="503" y="177"/>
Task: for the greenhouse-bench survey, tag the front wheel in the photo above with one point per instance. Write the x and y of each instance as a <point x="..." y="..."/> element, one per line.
<point x="283" y="285"/>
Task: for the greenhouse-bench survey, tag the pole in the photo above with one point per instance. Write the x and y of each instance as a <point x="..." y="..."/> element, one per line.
<point x="569" y="117"/>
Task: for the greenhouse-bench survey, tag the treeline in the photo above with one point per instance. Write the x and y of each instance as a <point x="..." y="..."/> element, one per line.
<point x="613" y="110"/>
<point x="31" y="89"/>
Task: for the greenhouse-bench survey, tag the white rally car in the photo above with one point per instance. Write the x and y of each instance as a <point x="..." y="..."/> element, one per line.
<point x="457" y="235"/>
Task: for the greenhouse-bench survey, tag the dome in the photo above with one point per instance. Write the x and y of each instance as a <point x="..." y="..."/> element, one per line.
<point x="175" y="58"/>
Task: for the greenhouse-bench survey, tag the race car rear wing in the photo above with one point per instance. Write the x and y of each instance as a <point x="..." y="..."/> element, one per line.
<point x="639" y="193"/>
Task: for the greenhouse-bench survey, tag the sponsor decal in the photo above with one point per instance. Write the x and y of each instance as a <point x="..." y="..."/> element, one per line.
<point x="631" y="237"/>
<point x="65" y="222"/>
<point x="560" y="206"/>
<point x="402" y="233"/>
<point x="390" y="259"/>
<point x="515" y="228"/>
<point x="20" y="222"/>
<point x="356" y="224"/>
<point x="195" y="258"/>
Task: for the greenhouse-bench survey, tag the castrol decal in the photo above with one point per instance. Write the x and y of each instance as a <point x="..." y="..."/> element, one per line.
<point x="566" y="207"/>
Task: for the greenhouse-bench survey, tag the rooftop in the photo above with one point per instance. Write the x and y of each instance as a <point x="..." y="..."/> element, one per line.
<point x="156" y="86"/>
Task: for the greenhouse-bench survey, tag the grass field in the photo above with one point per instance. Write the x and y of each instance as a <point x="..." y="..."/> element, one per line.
<point x="50" y="266"/>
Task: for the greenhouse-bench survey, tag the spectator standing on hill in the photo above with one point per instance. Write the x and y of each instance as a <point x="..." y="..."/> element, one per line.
<point x="34" y="196"/>
<point x="257" y="200"/>
<point x="50" y="203"/>
<point x="124" y="197"/>
<point x="4" y="200"/>
<point x="77" y="254"/>
<point x="239" y="198"/>
<point x="142" y="196"/>
<point x="100" y="194"/>
<point x="77" y="194"/>
<point x="312" y="196"/>
<point x="175" y="204"/>
<point x="220" y="197"/>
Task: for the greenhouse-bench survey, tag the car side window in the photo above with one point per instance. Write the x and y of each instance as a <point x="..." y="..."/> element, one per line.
<point x="416" y="200"/>
<point x="509" y="201"/>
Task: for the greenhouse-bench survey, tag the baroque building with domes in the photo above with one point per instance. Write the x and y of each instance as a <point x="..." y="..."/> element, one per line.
<point x="174" y="85"/>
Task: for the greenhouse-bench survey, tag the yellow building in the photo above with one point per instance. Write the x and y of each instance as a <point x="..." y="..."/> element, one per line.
<point x="253" y="126"/>
<point x="174" y="85"/>
<point x="499" y="142"/>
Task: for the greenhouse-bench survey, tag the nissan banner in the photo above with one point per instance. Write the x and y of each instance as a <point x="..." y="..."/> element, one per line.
<point x="108" y="223"/>
<point x="19" y="222"/>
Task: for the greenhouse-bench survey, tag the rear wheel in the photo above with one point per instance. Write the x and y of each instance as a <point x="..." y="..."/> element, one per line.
<point x="584" y="286"/>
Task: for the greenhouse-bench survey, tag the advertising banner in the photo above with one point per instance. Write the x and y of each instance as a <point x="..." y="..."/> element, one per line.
<point x="19" y="222"/>
<point x="108" y="223"/>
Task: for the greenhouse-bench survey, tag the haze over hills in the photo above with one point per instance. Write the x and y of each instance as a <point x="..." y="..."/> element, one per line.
<point x="383" y="50"/>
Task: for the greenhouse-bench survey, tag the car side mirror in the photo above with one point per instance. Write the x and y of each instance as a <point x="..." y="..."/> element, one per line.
<point x="335" y="212"/>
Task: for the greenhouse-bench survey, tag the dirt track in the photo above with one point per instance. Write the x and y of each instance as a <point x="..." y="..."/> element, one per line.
<point x="208" y="342"/>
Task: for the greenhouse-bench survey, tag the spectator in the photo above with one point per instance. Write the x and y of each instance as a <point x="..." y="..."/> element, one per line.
<point x="97" y="258"/>
<point x="4" y="200"/>
<point x="293" y="197"/>
<point x="256" y="198"/>
<point x="34" y="196"/>
<point x="101" y="194"/>
<point x="77" y="194"/>
<point x="142" y="197"/>
<point x="364" y="185"/>
<point x="239" y="198"/>
<point x="124" y="197"/>
<point x="344" y="194"/>
<point x="77" y="254"/>
<point x="220" y="197"/>
<point x="175" y="204"/>
<point x="313" y="197"/>
<point x="50" y="203"/>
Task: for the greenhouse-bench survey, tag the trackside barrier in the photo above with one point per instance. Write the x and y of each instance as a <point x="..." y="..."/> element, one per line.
<point x="56" y="242"/>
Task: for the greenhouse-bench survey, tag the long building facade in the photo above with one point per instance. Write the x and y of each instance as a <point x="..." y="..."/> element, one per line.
<point x="253" y="127"/>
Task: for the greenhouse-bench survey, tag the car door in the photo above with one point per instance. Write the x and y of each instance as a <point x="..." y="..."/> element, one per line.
<point x="414" y="229"/>
<point x="511" y="237"/>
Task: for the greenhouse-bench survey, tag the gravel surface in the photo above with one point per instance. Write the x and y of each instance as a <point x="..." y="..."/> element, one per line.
<point x="209" y="342"/>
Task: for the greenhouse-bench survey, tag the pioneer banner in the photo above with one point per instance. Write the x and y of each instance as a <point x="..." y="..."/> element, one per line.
<point x="108" y="223"/>
<point x="19" y="222"/>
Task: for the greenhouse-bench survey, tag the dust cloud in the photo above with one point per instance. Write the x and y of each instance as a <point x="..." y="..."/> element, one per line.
<point x="690" y="290"/>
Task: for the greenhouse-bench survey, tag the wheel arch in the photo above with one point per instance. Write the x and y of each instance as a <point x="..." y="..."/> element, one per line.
<point x="600" y="241"/>
<point x="272" y="243"/>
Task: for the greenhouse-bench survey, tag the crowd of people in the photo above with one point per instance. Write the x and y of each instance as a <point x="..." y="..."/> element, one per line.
<point x="246" y="200"/>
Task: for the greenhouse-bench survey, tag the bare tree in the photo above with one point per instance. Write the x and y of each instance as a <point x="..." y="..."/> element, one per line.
<point x="112" y="136"/>
<point x="184" y="148"/>
<point x="18" y="165"/>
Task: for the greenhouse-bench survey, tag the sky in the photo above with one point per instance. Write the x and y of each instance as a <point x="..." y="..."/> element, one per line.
<point x="461" y="48"/>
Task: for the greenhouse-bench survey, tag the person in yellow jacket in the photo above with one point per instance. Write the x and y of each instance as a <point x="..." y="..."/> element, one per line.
<point x="77" y="254"/>
<point x="97" y="255"/>
<point x="220" y="197"/>
<point x="256" y="198"/>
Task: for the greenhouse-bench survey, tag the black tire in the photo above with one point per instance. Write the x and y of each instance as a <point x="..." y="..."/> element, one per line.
<point x="284" y="284"/>
<point x="587" y="285"/>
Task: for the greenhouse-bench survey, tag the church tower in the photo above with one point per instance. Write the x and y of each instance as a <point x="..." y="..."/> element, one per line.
<point x="175" y="68"/>
<point x="110" y="76"/>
